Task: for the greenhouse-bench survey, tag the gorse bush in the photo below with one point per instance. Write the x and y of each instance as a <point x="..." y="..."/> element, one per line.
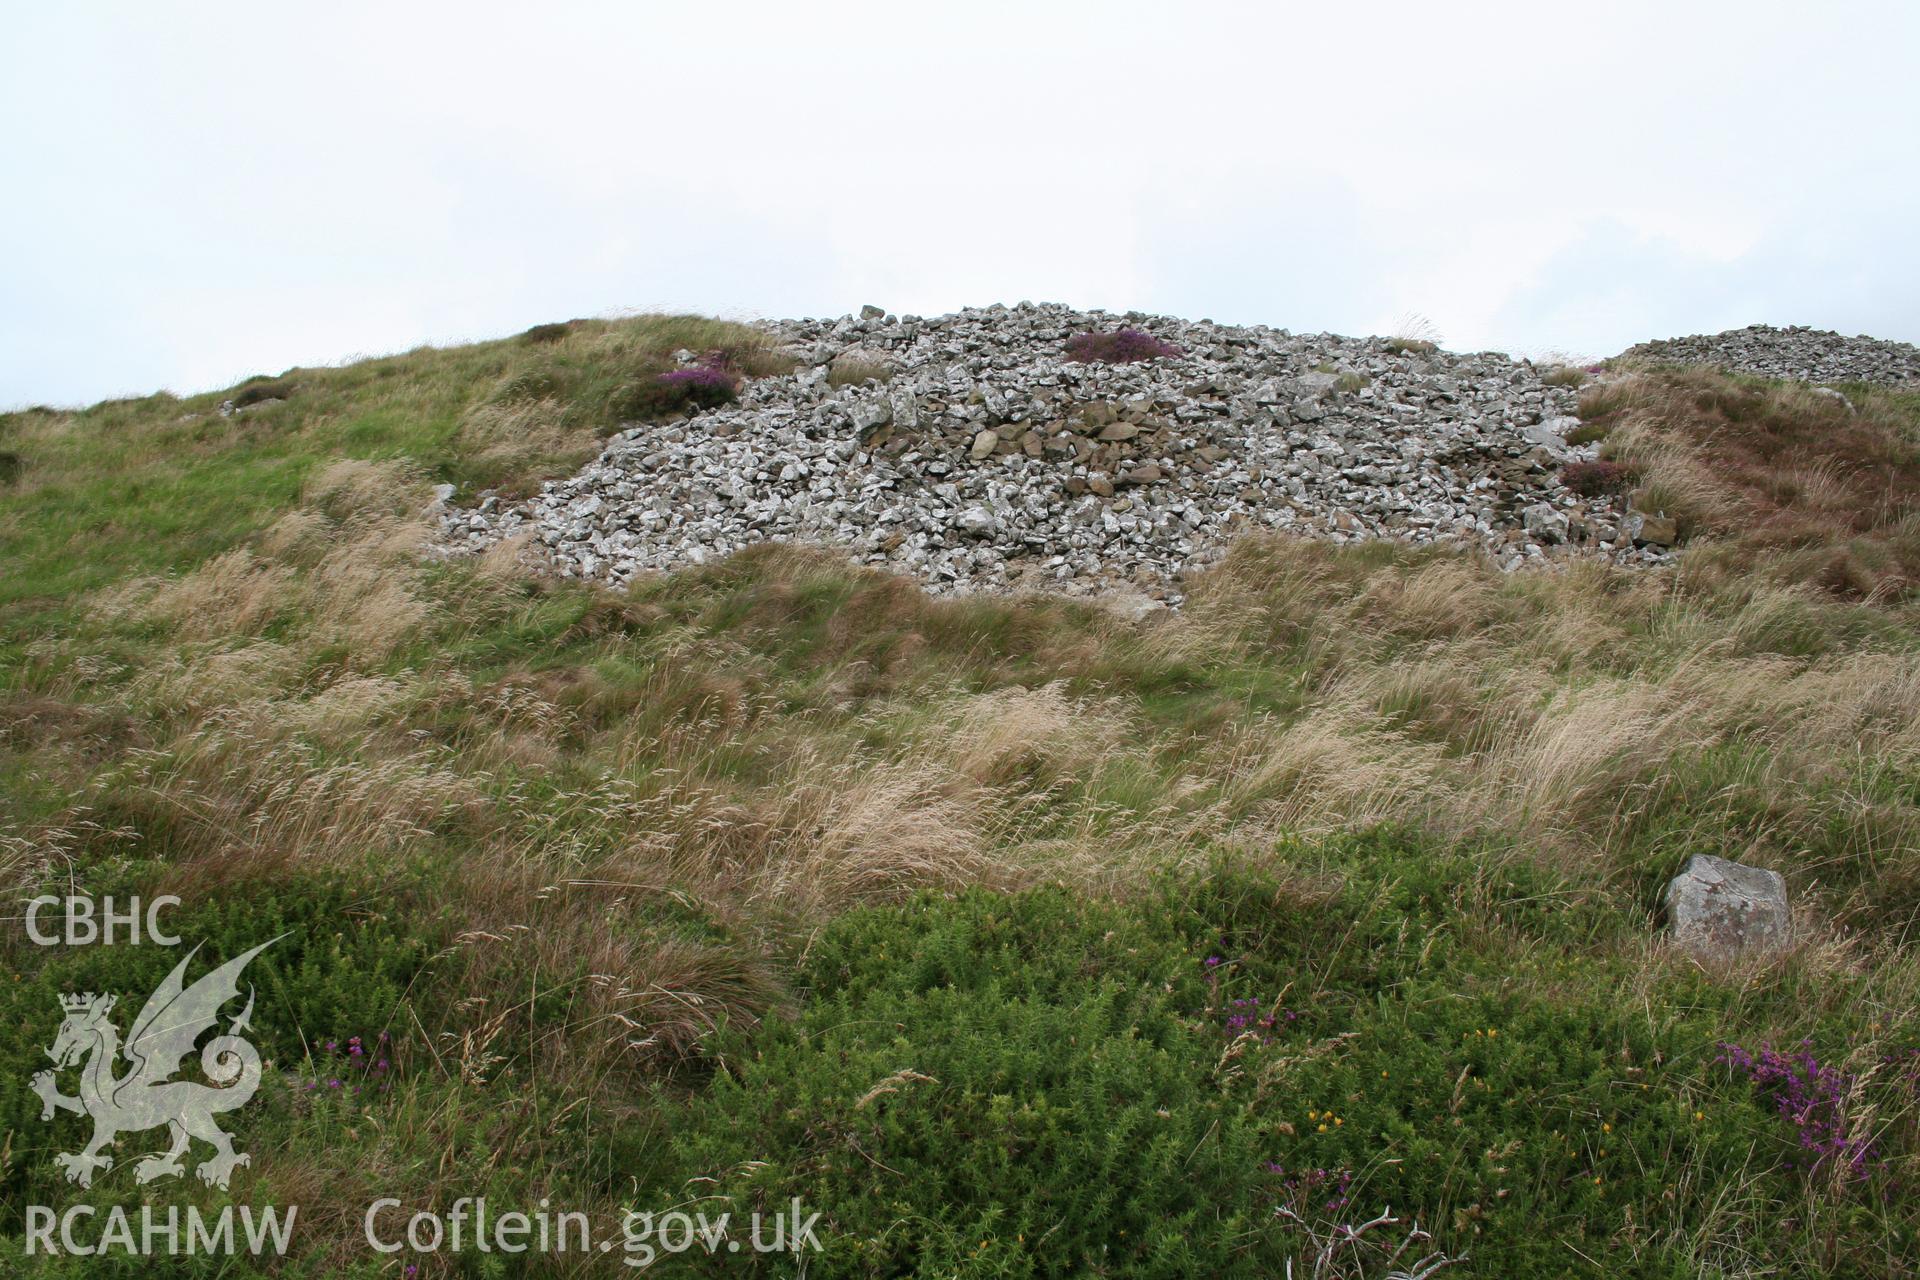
<point x="1040" y="1085"/>
<point x="650" y="886"/>
<point x="1123" y="346"/>
<point x="987" y="1085"/>
<point x="337" y="964"/>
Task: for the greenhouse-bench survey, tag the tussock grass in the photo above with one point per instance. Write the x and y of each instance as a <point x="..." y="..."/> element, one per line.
<point x="611" y="827"/>
<point x="854" y="372"/>
<point x="1800" y="486"/>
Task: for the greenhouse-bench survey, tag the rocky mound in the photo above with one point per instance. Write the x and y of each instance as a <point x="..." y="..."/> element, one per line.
<point x="1797" y="353"/>
<point x="972" y="451"/>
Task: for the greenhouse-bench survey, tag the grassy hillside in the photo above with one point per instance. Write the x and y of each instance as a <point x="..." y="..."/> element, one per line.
<point x="1014" y="937"/>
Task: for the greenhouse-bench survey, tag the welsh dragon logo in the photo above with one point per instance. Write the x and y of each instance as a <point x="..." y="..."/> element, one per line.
<point x="173" y="1018"/>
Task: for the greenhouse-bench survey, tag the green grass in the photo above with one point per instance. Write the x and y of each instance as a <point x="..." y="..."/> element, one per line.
<point x="162" y="483"/>
<point x="650" y="891"/>
<point x="976" y="1073"/>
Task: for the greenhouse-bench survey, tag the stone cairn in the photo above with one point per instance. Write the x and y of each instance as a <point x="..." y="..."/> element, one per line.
<point x="973" y="453"/>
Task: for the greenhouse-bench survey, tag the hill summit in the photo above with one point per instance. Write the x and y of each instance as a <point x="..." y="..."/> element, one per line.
<point x="1036" y="445"/>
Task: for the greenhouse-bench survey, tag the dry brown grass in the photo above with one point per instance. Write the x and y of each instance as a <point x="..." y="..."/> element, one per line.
<point x="1827" y="493"/>
<point x="526" y="437"/>
<point x="681" y="749"/>
<point x="345" y="565"/>
<point x="1558" y="712"/>
<point x="626" y="804"/>
<point x="851" y="373"/>
<point x="1555" y="711"/>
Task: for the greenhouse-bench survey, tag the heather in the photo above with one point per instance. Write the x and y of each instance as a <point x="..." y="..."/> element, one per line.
<point x="1591" y="479"/>
<point x="1016" y="935"/>
<point x="1122" y="346"/>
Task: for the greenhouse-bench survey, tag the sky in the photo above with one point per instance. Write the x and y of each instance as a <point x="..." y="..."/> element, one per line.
<point x="199" y="193"/>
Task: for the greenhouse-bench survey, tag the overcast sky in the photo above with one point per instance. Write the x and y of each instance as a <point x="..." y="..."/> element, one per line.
<point x="196" y="193"/>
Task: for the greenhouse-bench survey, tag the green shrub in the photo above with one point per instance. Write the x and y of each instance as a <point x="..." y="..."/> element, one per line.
<point x="543" y="333"/>
<point x="1043" y="1085"/>
<point x="984" y="1080"/>
<point x="260" y="390"/>
<point x="340" y="969"/>
<point x="1588" y="433"/>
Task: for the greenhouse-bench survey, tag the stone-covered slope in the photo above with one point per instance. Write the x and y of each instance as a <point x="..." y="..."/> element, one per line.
<point x="1797" y="353"/>
<point x="981" y="456"/>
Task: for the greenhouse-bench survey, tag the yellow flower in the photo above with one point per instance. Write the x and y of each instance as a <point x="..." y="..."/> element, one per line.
<point x="1699" y="1115"/>
<point x="1494" y="1032"/>
<point x="1313" y="1115"/>
<point x="1338" y="1121"/>
<point x="1323" y="1128"/>
<point x="1606" y="1128"/>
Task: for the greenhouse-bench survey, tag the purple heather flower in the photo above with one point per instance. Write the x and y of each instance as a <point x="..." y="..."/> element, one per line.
<point x="1125" y="346"/>
<point x="1812" y="1096"/>
<point x="700" y="375"/>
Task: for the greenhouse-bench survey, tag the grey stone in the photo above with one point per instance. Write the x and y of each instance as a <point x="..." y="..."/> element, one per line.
<point x="1545" y="522"/>
<point x="1797" y="353"/>
<point x="1839" y="397"/>
<point x="865" y="360"/>
<point x="976" y="522"/>
<point x="906" y="408"/>
<point x="1314" y="387"/>
<point x="915" y="476"/>
<point x="1648" y="530"/>
<point x="1551" y="435"/>
<point x="1718" y="909"/>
